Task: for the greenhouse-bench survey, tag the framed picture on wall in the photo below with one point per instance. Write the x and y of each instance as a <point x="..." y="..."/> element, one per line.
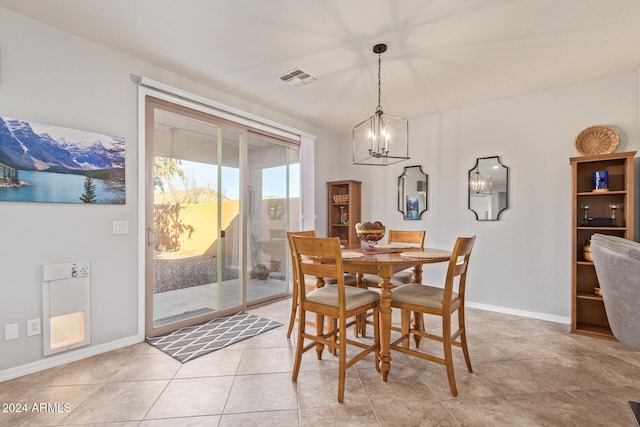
<point x="45" y="163"/>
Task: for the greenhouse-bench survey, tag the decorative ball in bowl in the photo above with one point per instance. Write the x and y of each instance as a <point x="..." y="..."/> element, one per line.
<point x="370" y="233"/>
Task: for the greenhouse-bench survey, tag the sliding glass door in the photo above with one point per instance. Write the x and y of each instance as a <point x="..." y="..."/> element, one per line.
<point x="273" y="169"/>
<point x="193" y="218"/>
<point x="219" y="200"/>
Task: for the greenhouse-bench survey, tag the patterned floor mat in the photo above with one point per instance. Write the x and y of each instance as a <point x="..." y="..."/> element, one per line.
<point x="194" y="341"/>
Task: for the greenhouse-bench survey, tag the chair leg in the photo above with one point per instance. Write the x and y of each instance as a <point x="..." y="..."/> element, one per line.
<point x="405" y="327"/>
<point x="418" y="323"/>
<point x="405" y="319"/>
<point x="319" y="331"/>
<point x="376" y="336"/>
<point x="463" y="338"/>
<point x="448" y="355"/>
<point x="299" y="345"/>
<point x="333" y="326"/>
<point x="342" y="358"/>
<point x="360" y="328"/>
<point x="294" y="309"/>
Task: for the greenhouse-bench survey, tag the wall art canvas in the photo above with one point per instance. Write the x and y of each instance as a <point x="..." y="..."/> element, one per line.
<point x="45" y="163"/>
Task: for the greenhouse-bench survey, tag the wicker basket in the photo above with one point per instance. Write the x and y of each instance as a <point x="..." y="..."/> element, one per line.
<point x="597" y="140"/>
<point x="341" y="198"/>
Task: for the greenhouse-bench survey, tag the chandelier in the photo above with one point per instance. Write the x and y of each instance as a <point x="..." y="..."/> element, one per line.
<point x="382" y="139"/>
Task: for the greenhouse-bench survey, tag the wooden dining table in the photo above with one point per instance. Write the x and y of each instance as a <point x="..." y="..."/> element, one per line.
<point x="384" y="263"/>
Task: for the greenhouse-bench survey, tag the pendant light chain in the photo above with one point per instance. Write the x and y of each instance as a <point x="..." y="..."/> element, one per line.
<point x="379" y="108"/>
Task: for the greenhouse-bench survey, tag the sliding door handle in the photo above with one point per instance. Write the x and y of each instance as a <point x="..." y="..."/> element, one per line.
<point x="152" y="236"/>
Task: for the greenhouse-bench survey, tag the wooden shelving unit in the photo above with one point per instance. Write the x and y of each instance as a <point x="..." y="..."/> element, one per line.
<point x="344" y="198"/>
<point x="588" y="316"/>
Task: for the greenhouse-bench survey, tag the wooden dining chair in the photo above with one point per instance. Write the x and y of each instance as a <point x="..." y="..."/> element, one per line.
<point x="414" y="238"/>
<point x="296" y="287"/>
<point x="321" y="257"/>
<point x="437" y="301"/>
<point x="349" y="279"/>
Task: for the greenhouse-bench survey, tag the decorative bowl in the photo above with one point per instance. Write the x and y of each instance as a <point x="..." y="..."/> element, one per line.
<point x="370" y="237"/>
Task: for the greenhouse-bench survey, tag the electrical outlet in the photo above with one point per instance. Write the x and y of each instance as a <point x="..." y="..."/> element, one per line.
<point x="33" y="327"/>
<point x="10" y="331"/>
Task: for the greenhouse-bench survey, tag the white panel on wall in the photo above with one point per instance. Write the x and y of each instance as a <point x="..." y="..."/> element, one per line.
<point x="66" y="306"/>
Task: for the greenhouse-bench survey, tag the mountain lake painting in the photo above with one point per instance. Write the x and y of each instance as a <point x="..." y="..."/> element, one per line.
<point x="44" y="163"/>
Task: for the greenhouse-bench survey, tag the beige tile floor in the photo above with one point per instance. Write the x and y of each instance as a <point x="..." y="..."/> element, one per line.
<point x="526" y="373"/>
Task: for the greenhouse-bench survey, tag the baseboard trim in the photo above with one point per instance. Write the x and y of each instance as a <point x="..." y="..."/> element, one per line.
<point x="63" y="358"/>
<point x="521" y="313"/>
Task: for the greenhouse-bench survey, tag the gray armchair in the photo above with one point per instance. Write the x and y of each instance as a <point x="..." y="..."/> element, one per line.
<point x="617" y="263"/>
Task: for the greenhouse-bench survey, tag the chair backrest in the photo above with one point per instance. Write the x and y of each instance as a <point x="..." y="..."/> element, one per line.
<point x="319" y="257"/>
<point x="403" y="236"/>
<point x="305" y="233"/>
<point x="617" y="263"/>
<point x="458" y="269"/>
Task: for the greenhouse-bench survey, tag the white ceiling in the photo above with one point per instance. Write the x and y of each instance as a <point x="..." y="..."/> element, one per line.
<point x="443" y="54"/>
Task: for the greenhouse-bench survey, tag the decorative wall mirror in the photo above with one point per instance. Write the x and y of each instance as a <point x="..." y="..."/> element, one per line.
<point x="412" y="192"/>
<point x="488" y="188"/>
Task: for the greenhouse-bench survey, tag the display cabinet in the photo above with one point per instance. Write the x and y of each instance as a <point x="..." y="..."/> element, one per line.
<point x="602" y="194"/>
<point x="344" y="210"/>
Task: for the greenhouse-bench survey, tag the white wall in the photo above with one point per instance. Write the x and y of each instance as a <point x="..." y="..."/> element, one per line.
<point x="52" y="77"/>
<point x="520" y="263"/>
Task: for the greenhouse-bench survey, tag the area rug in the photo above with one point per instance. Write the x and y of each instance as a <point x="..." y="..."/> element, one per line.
<point x="194" y="341"/>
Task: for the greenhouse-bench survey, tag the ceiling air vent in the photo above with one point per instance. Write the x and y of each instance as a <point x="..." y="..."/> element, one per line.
<point x="297" y="78"/>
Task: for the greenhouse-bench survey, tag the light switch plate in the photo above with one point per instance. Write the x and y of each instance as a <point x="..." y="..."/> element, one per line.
<point x="10" y="331"/>
<point x="120" y="227"/>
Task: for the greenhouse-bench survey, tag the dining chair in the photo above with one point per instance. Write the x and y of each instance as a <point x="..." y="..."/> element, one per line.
<point x="296" y="286"/>
<point x="437" y="301"/>
<point x="321" y="257"/>
<point x="413" y="238"/>
<point x="349" y="279"/>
